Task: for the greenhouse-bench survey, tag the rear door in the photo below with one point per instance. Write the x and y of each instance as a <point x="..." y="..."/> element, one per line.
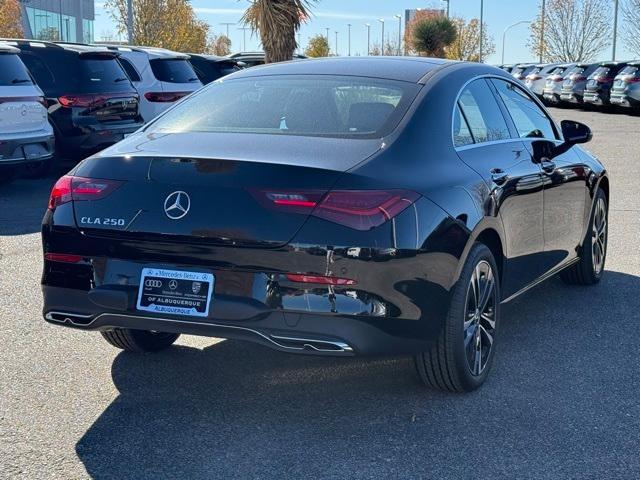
<point x="564" y="176"/>
<point x="492" y="149"/>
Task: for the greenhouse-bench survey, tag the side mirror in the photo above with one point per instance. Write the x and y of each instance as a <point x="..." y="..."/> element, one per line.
<point x="575" y="132"/>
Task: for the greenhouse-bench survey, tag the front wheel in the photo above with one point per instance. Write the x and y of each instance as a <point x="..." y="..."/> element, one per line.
<point x="139" y="340"/>
<point x="461" y="358"/>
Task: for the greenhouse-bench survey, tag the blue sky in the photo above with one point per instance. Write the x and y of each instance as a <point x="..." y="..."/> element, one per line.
<point x="336" y="14"/>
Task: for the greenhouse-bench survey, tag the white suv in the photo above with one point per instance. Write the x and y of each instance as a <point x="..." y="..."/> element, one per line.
<point x="160" y="76"/>
<point x="26" y="136"/>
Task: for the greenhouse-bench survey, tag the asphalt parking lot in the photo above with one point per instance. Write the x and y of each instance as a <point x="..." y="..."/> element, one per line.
<point x="563" y="400"/>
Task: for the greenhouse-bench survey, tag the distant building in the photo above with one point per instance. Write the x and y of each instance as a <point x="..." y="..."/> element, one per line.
<point x="65" y="20"/>
<point x="410" y="14"/>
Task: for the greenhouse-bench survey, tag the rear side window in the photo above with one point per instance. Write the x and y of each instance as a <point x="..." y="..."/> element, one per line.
<point x="41" y="73"/>
<point x="173" y="70"/>
<point x="529" y="119"/>
<point x="321" y="105"/>
<point x="13" y="71"/>
<point x="485" y="119"/>
<point x="130" y="69"/>
<point x="600" y="72"/>
<point x="461" y="133"/>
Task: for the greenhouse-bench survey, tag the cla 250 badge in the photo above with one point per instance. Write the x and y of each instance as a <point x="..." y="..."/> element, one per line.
<point x="108" y="222"/>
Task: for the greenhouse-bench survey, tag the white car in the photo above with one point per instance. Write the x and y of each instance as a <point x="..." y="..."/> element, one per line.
<point x="26" y="136"/>
<point x="161" y="77"/>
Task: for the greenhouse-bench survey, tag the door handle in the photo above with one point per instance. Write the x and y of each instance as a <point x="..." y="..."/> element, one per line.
<point x="499" y="176"/>
<point x="548" y="166"/>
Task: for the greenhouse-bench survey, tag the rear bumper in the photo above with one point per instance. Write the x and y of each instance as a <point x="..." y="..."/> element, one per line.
<point x="287" y="331"/>
<point x="19" y="149"/>
<point x="623" y="101"/>
<point x="571" y="97"/>
<point x="596" y="98"/>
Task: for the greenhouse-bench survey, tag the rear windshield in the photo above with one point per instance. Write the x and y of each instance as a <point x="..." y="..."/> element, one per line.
<point x="13" y="71"/>
<point x="102" y="75"/>
<point x="535" y="70"/>
<point x="600" y="72"/>
<point x="630" y="70"/>
<point x="346" y="107"/>
<point x="517" y="71"/>
<point x="173" y="71"/>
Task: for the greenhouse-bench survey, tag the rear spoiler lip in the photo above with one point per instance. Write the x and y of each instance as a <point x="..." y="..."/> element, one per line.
<point x="110" y="54"/>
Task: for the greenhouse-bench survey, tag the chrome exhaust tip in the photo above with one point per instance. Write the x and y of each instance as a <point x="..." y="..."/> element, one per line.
<point x="313" y="345"/>
<point x="69" y="318"/>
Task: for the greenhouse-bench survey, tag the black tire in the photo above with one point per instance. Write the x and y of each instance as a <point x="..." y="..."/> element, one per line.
<point x="589" y="269"/>
<point x="447" y="365"/>
<point x="139" y="340"/>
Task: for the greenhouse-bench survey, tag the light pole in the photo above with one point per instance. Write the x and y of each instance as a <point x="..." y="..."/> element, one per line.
<point x="244" y="37"/>
<point x="60" y="17"/>
<point x="504" y="34"/>
<point x="349" y="39"/>
<point x="542" y="20"/>
<point x="227" y="24"/>
<point x="130" y="22"/>
<point x="399" y="17"/>
<point x="368" y="25"/>
<point x="481" y="28"/>
<point x="448" y="1"/>
<point x="615" y="30"/>
<point x="337" y="54"/>
<point x="381" y="20"/>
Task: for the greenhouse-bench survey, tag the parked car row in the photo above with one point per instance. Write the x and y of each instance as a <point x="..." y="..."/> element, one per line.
<point x="67" y="100"/>
<point x="599" y="84"/>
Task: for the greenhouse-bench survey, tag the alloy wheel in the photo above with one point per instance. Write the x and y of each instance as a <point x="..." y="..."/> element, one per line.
<point x="480" y="317"/>
<point x="599" y="236"/>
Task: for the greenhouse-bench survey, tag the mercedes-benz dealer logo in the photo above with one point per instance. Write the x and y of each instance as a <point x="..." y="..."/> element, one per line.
<point x="177" y="205"/>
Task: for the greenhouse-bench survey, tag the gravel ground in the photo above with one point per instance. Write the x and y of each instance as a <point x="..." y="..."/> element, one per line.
<point x="563" y="400"/>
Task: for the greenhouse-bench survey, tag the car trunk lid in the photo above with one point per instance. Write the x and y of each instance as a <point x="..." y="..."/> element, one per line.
<point x="217" y="194"/>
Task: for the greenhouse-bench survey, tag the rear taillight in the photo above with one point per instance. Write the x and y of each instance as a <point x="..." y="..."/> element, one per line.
<point x="69" y="188"/>
<point x="63" y="257"/>
<point x="533" y="78"/>
<point x="165" y="97"/>
<point x="91" y="100"/>
<point x="632" y="80"/>
<point x="357" y="209"/>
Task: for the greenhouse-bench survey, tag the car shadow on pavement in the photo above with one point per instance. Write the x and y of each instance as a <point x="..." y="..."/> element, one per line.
<point x="562" y="379"/>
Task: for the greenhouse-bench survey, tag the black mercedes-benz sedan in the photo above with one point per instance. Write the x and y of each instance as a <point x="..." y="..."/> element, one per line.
<point x="360" y="206"/>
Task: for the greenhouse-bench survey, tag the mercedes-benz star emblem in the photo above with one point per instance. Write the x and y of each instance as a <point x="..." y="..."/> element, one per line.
<point x="177" y="205"/>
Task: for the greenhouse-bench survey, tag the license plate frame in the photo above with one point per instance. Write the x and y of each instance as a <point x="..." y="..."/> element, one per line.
<point x="175" y="292"/>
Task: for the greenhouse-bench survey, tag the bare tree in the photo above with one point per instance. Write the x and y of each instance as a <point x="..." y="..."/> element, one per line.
<point x="465" y="47"/>
<point x="631" y="30"/>
<point x="574" y="30"/>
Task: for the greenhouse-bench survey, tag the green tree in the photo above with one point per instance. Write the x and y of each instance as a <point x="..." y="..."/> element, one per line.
<point x="168" y="24"/>
<point x="317" y="47"/>
<point x="277" y="22"/>
<point x="431" y="36"/>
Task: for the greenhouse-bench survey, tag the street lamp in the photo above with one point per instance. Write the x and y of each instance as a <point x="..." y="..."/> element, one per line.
<point x="448" y="1"/>
<point x="615" y="30"/>
<point x="368" y="25"/>
<point x="337" y="54"/>
<point x="244" y="37"/>
<point x="227" y="24"/>
<point x="349" y="40"/>
<point x="504" y="34"/>
<point x="542" y="20"/>
<point x="481" y="28"/>
<point x="381" y="20"/>
<point x="399" y="17"/>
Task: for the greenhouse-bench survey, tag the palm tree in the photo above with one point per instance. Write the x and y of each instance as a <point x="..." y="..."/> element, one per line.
<point x="277" y="21"/>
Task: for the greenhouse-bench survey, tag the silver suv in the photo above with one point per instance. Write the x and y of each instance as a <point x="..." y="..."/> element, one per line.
<point x="26" y="136"/>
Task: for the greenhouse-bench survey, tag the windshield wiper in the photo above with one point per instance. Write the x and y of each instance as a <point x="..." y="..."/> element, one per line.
<point x="121" y="79"/>
<point x="20" y="80"/>
<point x="193" y="79"/>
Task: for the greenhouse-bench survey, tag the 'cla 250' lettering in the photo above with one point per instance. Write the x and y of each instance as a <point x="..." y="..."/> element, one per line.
<point x="109" y="222"/>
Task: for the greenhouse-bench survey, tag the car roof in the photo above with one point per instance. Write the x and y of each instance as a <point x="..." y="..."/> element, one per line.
<point x="612" y="64"/>
<point x="78" y="48"/>
<point x="212" y="58"/>
<point x="408" y="69"/>
<point x="152" y="52"/>
<point x="4" y="48"/>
